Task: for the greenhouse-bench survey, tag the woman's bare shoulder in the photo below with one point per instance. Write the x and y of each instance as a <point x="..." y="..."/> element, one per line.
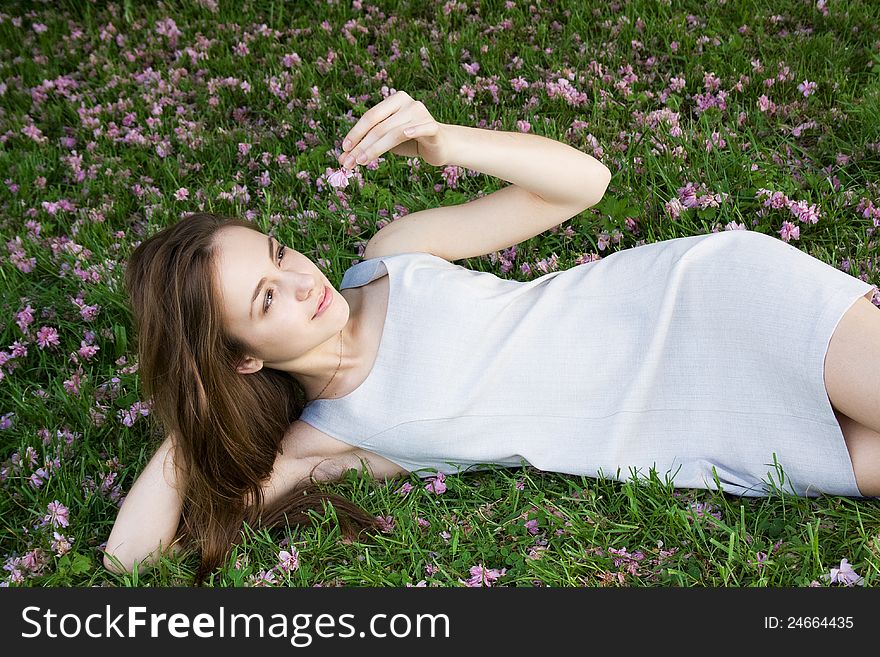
<point x="308" y="442"/>
<point x="305" y="441"/>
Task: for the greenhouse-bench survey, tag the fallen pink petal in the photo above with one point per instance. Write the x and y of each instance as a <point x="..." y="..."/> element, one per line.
<point x="482" y="576"/>
<point x="339" y="178"/>
<point x="437" y="484"/>
<point x="844" y="575"/>
<point x="288" y="561"/>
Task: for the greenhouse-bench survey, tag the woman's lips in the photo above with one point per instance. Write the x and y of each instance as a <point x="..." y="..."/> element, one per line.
<point x="326" y="301"/>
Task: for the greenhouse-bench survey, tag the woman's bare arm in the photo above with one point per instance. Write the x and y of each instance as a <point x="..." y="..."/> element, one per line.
<point x="148" y="519"/>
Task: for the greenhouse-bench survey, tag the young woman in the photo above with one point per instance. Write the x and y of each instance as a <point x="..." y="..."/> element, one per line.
<point x="728" y="360"/>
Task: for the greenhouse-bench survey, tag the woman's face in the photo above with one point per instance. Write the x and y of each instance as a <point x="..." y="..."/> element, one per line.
<point x="270" y="295"/>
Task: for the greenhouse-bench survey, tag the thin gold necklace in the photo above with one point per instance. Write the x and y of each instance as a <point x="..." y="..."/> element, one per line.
<point x="337" y="367"/>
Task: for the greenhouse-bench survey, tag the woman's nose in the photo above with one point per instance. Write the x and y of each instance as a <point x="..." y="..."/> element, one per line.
<point x="307" y="285"/>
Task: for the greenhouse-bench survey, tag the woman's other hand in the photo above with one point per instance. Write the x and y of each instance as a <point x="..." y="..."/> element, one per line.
<point x="382" y="127"/>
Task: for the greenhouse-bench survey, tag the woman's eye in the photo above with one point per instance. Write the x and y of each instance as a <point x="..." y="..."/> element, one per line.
<point x="269" y="292"/>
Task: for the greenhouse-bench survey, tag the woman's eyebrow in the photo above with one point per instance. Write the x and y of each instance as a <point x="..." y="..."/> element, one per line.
<point x="262" y="280"/>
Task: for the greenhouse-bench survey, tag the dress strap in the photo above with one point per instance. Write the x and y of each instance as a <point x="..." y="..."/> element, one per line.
<point x="363" y="272"/>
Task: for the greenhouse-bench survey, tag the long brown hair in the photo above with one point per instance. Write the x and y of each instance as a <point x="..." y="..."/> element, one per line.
<point x="187" y="368"/>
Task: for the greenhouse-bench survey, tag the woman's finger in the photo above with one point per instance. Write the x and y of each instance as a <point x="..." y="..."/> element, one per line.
<point x="372" y="117"/>
<point x="381" y="138"/>
<point x="421" y="130"/>
<point x="391" y="138"/>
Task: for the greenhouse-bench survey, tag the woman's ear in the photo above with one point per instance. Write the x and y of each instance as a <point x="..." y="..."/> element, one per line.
<point x="249" y="365"/>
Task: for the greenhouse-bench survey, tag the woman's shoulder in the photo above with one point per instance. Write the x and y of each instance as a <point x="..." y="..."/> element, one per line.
<point x="311" y="444"/>
<point x="305" y="441"/>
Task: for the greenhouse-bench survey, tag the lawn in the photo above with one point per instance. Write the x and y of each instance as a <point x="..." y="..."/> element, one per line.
<point x="117" y="118"/>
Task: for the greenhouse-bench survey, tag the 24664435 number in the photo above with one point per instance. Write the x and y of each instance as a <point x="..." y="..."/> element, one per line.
<point x="808" y="622"/>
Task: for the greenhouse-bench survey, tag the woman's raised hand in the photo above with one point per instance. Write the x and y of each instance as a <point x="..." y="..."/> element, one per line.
<point x="386" y="127"/>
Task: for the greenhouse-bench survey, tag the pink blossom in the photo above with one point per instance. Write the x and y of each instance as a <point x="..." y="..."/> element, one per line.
<point x="436" y="484"/>
<point x="61" y="544"/>
<point x="130" y="415"/>
<point x="339" y="177"/>
<point x="58" y="514"/>
<point x="288" y="561"/>
<point x="629" y="560"/>
<point x="674" y="208"/>
<point x="704" y="509"/>
<point x="805" y="212"/>
<point x="844" y="575"/>
<point x="181" y="194"/>
<point x="38" y="478"/>
<point x="34" y="133"/>
<point x="47" y="335"/>
<point x="168" y="28"/>
<point x="789" y="231"/>
<point x="481" y="576"/>
<point x="87" y="351"/>
<point x="14" y="567"/>
<point x="386" y="523"/>
<point x="471" y="68"/>
<point x="761" y="559"/>
<point x="24" y="318"/>
<point x="34" y="560"/>
<point x="717" y="142"/>
<point x="89" y="313"/>
<point x="807" y="88"/>
<point x="263" y="578"/>
<point x="765" y="104"/>
<point x="519" y="83"/>
<point x="797" y="130"/>
<point x="291" y="60"/>
<point x="405" y="489"/>
<point x="451" y="174"/>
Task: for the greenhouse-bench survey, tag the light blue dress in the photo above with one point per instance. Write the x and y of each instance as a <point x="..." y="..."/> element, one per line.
<point x="689" y="356"/>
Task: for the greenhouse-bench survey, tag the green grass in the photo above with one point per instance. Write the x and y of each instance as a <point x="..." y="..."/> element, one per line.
<point x="671" y="537"/>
